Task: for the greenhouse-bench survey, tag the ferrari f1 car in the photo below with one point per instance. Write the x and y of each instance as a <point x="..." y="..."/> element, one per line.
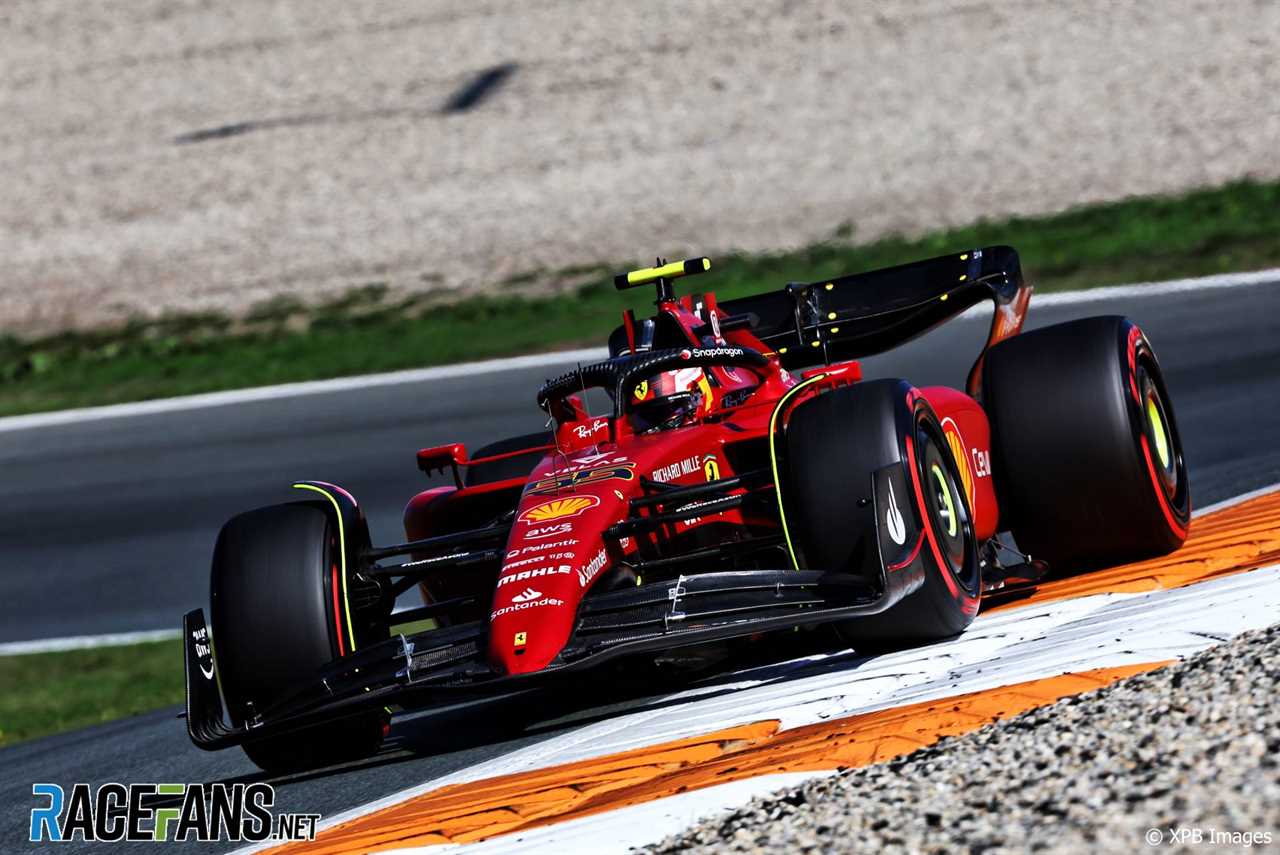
<point x="745" y="480"/>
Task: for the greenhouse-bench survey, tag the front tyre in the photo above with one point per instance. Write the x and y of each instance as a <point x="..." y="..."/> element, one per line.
<point x="277" y="615"/>
<point x="836" y="444"/>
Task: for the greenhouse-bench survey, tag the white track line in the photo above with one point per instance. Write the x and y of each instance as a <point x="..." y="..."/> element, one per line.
<point x="84" y="642"/>
<point x="537" y="360"/>
<point x="1153" y="289"/>
<point x="297" y="390"/>
<point x="1233" y="501"/>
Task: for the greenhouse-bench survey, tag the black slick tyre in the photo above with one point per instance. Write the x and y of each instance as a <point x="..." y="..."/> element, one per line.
<point x="1086" y="453"/>
<point x="836" y="443"/>
<point x="277" y="618"/>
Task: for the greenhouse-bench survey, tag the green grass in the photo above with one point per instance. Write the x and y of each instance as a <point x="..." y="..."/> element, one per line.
<point x="1235" y="227"/>
<point x="45" y="693"/>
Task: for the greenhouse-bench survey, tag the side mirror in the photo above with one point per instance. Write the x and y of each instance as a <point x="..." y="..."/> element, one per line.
<point x="437" y="458"/>
<point x="568" y="409"/>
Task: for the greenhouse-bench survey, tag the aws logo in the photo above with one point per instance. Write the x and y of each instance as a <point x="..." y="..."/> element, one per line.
<point x="558" y="509"/>
<point x="566" y="480"/>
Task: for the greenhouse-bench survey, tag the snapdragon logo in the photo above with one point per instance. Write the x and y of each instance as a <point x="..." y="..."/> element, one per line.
<point x="165" y="812"/>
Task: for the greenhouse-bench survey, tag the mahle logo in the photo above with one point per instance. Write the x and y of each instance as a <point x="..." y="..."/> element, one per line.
<point x="165" y="812"/>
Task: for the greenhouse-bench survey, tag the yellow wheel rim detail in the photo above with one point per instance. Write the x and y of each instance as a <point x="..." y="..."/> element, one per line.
<point x="949" y="511"/>
<point x="1157" y="430"/>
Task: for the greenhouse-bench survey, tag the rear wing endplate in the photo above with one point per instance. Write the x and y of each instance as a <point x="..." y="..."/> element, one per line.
<point x="850" y="317"/>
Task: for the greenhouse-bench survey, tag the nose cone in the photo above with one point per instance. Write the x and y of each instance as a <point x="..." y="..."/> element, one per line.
<point x="554" y="554"/>
<point x="532" y="619"/>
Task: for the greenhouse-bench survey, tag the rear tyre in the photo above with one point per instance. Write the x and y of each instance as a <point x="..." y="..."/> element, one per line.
<point x="1086" y="453"/>
<point x="518" y="466"/>
<point x="277" y="617"/>
<point x="835" y="443"/>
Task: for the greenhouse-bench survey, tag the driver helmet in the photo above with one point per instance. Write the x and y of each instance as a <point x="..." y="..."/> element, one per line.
<point x="670" y="398"/>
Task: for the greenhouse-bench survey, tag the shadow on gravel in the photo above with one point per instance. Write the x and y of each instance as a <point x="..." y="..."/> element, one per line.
<point x="236" y="129"/>
<point x="478" y="88"/>
<point x="470" y="95"/>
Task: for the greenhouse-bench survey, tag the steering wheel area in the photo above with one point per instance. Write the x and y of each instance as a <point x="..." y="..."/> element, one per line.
<point x="621" y="373"/>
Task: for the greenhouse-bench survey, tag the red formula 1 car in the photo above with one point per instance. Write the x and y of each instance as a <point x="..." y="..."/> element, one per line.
<point x="745" y="480"/>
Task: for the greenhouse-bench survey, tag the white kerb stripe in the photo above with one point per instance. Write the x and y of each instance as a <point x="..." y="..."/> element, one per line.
<point x="295" y="390"/>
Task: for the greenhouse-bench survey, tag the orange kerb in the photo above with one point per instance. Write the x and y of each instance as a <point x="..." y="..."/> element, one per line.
<point x="1240" y="538"/>
<point x="1243" y="537"/>
<point x="469" y="812"/>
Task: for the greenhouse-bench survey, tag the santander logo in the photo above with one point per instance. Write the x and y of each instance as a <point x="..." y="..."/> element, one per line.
<point x="526" y="595"/>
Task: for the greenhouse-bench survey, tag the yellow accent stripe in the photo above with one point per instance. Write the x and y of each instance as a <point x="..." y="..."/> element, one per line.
<point x="342" y="552"/>
<point x="773" y="460"/>
<point x="674" y="270"/>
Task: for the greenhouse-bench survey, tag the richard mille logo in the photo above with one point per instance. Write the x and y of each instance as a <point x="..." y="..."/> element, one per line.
<point x="893" y="519"/>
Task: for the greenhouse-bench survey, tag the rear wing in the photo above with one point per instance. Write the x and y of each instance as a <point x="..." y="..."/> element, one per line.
<point x="849" y="317"/>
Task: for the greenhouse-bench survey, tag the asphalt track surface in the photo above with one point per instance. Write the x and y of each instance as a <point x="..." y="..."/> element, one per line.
<point x="107" y="526"/>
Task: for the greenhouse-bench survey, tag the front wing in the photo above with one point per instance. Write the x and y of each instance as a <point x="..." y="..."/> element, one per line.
<point x="447" y="665"/>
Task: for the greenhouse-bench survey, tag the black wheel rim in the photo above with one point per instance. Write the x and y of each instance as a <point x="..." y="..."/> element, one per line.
<point x="1159" y="427"/>
<point x="946" y="505"/>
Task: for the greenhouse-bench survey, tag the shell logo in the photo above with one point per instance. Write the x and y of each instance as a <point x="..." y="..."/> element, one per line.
<point x="558" y="509"/>
<point x="952" y="433"/>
